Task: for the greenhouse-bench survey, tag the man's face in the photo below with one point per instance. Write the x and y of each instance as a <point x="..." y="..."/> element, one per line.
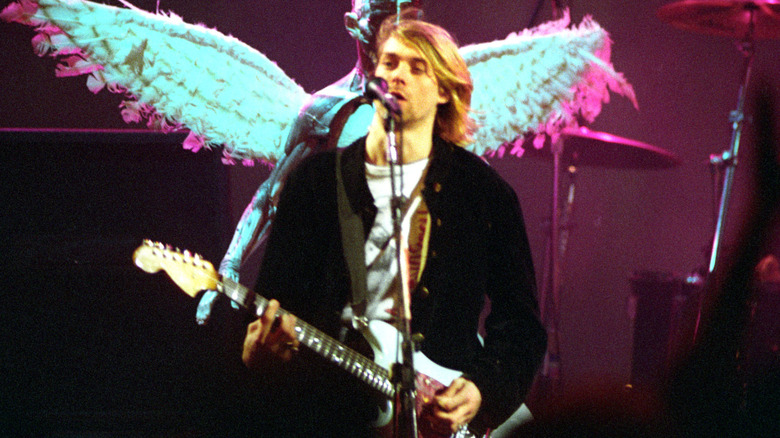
<point x="410" y="78"/>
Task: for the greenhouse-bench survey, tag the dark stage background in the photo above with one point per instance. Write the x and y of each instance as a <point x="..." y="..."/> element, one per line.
<point x="92" y="343"/>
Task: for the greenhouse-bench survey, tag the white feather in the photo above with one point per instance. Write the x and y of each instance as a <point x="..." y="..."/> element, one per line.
<point x="227" y="93"/>
<point x="540" y="81"/>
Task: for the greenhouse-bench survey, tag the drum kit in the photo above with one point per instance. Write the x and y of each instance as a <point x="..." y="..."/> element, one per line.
<point x="744" y="20"/>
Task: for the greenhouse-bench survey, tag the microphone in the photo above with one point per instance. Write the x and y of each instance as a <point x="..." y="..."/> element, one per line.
<point x="376" y="89"/>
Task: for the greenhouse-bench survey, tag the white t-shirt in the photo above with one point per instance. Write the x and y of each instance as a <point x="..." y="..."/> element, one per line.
<point x="380" y="250"/>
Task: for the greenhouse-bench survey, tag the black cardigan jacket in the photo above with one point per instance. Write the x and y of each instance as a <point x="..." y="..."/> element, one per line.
<point x="478" y="247"/>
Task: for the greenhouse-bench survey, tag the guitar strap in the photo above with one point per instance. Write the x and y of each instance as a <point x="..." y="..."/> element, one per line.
<point x="351" y="225"/>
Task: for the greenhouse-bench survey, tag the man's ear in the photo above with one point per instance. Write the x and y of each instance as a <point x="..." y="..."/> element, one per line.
<point x="352" y="25"/>
<point x="444" y="96"/>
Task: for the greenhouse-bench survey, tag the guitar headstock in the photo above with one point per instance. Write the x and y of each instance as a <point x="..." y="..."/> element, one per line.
<point x="189" y="271"/>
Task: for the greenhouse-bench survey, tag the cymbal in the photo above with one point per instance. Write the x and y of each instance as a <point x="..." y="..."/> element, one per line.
<point x="585" y="147"/>
<point x="731" y="18"/>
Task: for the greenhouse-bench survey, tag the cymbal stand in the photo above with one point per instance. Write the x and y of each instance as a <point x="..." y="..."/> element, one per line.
<point x="556" y="248"/>
<point x="729" y="158"/>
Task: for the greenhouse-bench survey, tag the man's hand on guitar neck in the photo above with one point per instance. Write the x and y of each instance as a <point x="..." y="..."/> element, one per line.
<point x="271" y="335"/>
<point x="454" y="407"/>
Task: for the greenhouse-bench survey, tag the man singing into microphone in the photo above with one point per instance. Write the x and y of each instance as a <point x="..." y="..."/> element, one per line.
<point x="464" y="238"/>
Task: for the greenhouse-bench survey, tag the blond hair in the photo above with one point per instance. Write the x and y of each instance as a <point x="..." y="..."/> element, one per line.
<point x="453" y="121"/>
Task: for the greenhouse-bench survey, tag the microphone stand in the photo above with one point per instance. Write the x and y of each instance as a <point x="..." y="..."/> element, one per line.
<point x="403" y="372"/>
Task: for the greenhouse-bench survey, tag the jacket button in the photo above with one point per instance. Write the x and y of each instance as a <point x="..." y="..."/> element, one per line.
<point x="417" y="339"/>
<point x="437" y="187"/>
<point x="424" y="292"/>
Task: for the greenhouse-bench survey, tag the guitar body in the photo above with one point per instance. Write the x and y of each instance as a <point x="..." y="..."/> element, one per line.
<point x="431" y="377"/>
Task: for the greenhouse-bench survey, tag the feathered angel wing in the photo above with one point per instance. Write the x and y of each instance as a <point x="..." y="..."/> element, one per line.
<point x="540" y="81"/>
<point x="175" y="74"/>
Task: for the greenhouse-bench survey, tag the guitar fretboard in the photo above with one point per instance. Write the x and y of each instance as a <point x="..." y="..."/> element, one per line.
<point x="332" y="350"/>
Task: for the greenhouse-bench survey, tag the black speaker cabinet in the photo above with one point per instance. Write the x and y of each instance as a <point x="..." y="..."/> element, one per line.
<point x="662" y="304"/>
<point x="90" y="342"/>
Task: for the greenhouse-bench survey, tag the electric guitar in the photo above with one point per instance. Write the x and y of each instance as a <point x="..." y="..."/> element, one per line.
<point x="194" y="274"/>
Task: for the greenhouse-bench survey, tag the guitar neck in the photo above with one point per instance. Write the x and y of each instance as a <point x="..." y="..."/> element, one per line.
<point x="317" y="341"/>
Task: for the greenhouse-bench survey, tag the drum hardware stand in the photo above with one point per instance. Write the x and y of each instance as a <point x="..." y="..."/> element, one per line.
<point x="729" y="158"/>
<point x="556" y="249"/>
